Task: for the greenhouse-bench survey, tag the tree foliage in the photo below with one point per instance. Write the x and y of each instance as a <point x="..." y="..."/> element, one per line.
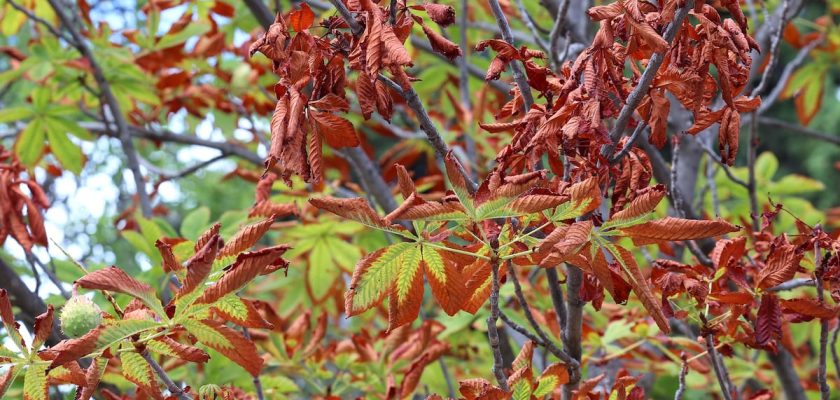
<point x="398" y="199"/>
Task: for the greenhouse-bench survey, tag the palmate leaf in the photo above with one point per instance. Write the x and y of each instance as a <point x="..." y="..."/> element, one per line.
<point x="397" y="271"/>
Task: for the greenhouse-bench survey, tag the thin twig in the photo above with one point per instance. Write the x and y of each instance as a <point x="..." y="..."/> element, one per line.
<point x="529" y="23"/>
<point x="716" y="158"/>
<point x="164" y="377"/>
<point x="574" y="327"/>
<point x="774" y="52"/>
<point x="507" y="35"/>
<point x="450" y="386"/>
<point x="347" y="16"/>
<point x="640" y="91"/>
<point x="752" y="147"/>
<point x="557" y="301"/>
<point x="369" y="173"/>
<point x="791" y="66"/>
<point x="557" y="31"/>
<point x="526" y="309"/>
<point x="426" y="125"/>
<point x="792" y="284"/>
<point x="113" y="105"/>
<point x="822" y="380"/>
<point x="834" y="356"/>
<point x="630" y="143"/>
<point x="257" y="381"/>
<point x="681" y="389"/>
<point x="805" y="131"/>
<point x="29" y="14"/>
<point x="720" y="369"/>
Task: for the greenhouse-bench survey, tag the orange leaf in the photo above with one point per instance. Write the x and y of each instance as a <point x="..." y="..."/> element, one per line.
<point x="670" y="228"/>
<point x="301" y="19"/>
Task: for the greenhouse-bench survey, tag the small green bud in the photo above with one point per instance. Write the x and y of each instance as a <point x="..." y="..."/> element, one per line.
<point x="79" y="316"/>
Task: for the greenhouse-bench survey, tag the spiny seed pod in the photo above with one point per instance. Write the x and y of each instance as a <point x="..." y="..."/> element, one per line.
<point x="79" y="316"/>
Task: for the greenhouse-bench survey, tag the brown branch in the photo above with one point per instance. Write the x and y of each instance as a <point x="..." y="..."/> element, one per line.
<point x="791" y="384"/>
<point x="805" y="131"/>
<point x="29" y="303"/>
<point x="822" y="380"/>
<point x="507" y="35"/>
<point x="492" y="329"/>
<point x="574" y="328"/>
<point x="557" y="31"/>
<point x="720" y="369"/>
<point x="113" y="105"/>
<point x="164" y="377"/>
<point x="681" y="388"/>
<point x="257" y="381"/>
<point x="572" y="365"/>
<point x="640" y="91"/>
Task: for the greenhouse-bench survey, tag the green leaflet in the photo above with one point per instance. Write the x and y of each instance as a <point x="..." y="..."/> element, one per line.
<point x="375" y="280"/>
<point x="136" y="369"/>
<point x="206" y="334"/>
<point x="35" y="382"/>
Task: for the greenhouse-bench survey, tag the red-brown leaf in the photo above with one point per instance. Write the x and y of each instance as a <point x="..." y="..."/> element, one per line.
<point x="248" y="266"/>
<point x="670" y="228"/>
<point x="337" y="131"/>
<point x="768" y="323"/>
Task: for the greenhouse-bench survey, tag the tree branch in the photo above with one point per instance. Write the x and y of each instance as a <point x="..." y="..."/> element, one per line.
<point x="507" y="35"/>
<point x="29" y="303"/>
<point x="574" y="328"/>
<point x="116" y="112"/>
<point x="492" y="329"/>
<point x="164" y="377"/>
<point x="653" y="65"/>
<point x="720" y="369"/>
<point x="805" y="131"/>
<point x="572" y="365"/>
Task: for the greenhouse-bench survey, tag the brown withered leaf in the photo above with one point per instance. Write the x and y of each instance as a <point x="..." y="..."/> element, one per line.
<point x="780" y="265"/>
<point x="245" y="238"/>
<point x="641" y="205"/>
<point x="247" y="266"/>
<point x="336" y="131"/>
<point x="199" y="266"/>
<point x="441" y="44"/>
